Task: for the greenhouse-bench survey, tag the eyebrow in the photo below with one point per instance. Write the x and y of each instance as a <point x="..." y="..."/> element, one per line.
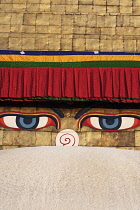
<point x="57" y="111"/>
<point x="84" y="110"/>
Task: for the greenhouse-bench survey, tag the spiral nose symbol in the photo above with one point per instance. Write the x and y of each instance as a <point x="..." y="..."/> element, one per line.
<point x="67" y="137"/>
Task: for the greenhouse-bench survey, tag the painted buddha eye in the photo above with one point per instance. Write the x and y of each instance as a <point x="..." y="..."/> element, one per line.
<point x="110" y="122"/>
<point x="29" y="121"/>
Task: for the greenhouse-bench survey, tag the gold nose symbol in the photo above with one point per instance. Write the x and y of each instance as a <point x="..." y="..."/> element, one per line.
<point x="67" y="137"/>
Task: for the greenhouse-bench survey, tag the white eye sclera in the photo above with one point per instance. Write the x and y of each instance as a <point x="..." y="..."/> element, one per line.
<point x="10" y="121"/>
<point x="42" y="122"/>
<point x="95" y="122"/>
<point x="127" y="122"/>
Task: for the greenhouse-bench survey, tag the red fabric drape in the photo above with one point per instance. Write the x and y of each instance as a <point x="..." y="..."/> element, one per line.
<point x="105" y="83"/>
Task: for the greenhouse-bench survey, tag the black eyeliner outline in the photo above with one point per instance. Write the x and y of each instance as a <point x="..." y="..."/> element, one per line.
<point x="22" y="115"/>
<point x="86" y="117"/>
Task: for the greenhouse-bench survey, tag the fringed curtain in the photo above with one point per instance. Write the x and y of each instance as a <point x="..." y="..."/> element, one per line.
<point x="114" y="84"/>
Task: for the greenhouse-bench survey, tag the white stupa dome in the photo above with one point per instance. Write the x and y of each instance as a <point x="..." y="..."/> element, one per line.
<point x="69" y="178"/>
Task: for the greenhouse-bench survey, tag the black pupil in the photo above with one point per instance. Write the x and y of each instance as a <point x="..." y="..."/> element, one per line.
<point x="27" y="120"/>
<point x="109" y="121"/>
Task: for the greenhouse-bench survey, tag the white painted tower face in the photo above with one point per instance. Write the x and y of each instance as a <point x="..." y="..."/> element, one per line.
<point x="67" y="137"/>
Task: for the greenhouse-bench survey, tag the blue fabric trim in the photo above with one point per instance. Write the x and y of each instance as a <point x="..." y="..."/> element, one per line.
<point x="63" y="53"/>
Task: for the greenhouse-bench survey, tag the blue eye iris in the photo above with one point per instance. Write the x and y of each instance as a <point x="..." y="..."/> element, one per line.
<point x="27" y="122"/>
<point x="110" y="123"/>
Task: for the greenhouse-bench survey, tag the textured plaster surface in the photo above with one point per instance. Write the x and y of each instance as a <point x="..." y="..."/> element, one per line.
<point x="69" y="178"/>
<point x="105" y="25"/>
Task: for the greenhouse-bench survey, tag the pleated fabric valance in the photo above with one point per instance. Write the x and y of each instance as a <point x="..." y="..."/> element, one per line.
<point x="113" y="77"/>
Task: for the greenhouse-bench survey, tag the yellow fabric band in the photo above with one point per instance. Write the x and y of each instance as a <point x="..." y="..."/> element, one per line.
<point x="69" y="58"/>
